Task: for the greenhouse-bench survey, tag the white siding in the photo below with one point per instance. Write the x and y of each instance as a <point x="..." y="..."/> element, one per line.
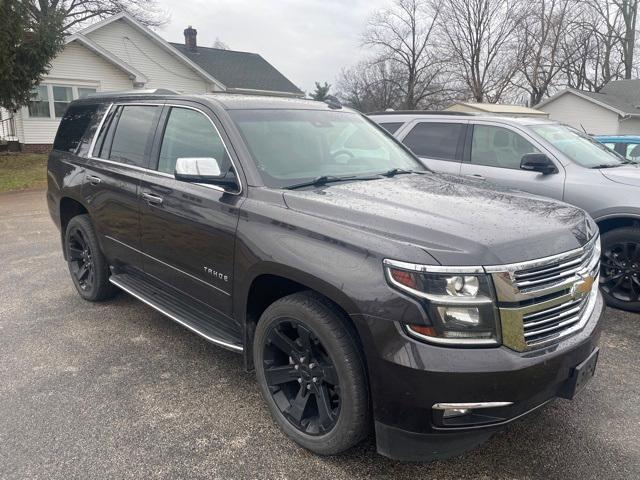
<point x="75" y="66"/>
<point x="629" y="127"/>
<point x="162" y="69"/>
<point x="579" y="113"/>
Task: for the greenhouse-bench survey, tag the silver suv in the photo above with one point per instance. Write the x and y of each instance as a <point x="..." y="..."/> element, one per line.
<point x="545" y="158"/>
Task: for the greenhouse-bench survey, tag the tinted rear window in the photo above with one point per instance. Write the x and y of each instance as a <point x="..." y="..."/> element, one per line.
<point x="434" y="140"/>
<point x="73" y="127"/>
<point x="132" y="134"/>
<point x="391" y="127"/>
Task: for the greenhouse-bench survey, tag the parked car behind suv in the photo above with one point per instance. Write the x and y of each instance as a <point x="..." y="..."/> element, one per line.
<point x="626" y="145"/>
<point x="361" y="287"/>
<point x="545" y="158"/>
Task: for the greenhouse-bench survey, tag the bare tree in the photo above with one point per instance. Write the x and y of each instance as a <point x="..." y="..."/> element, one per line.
<point x="371" y="86"/>
<point x="629" y="14"/>
<point x="540" y="34"/>
<point x="78" y="12"/>
<point x="219" y="44"/>
<point x="595" y="38"/>
<point x="402" y="35"/>
<point x="482" y="45"/>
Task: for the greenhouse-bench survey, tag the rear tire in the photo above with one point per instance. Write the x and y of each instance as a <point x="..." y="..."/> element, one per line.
<point x="620" y="268"/>
<point x="312" y="374"/>
<point x="87" y="265"/>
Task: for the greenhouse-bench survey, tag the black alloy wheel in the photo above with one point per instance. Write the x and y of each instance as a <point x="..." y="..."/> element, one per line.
<point x="88" y="267"/>
<point x="620" y="271"/>
<point x="81" y="261"/>
<point x="312" y="373"/>
<point x="301" y="377"/>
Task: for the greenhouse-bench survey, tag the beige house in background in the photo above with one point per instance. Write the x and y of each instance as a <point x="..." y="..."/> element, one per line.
<point x="496" y="109"/>
<point x="614" y="110"/>
<point x="119" y="53"/>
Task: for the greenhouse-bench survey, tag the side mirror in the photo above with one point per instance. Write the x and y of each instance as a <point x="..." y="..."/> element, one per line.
<point x="201" y="170"/>
<point x="537" y="162"/>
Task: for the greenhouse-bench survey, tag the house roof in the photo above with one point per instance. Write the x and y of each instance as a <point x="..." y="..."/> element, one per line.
<point x="499" y="108"/>
<point x="240" y="71"/>
<point x="621" y="97"/>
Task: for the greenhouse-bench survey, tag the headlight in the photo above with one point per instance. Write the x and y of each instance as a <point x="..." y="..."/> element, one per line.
<point x="460" y="305"/>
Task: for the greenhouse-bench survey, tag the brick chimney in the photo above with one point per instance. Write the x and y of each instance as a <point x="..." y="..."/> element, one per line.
<point x="190" y="35"/>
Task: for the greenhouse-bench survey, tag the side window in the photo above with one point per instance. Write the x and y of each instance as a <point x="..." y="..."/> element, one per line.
<point x="435" y="140"/>
<point x="39" y="103"/>
<point x="73" y="127"/>
<point x="632" y="151"/>
<point x="189" y="133"/>
<point x="62" y="97"/>
<point x="498" y="147"/>
<point x="391" y="127"/>
<point x="134" y="126"/>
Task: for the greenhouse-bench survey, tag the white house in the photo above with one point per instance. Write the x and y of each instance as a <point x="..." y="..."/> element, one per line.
<point x="614" y="110"/>
<point x="119" y="53"/>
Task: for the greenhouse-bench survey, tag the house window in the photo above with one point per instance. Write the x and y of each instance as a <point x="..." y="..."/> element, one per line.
<point x="62" y="97"/>
<point x="51" y="101"/>
<point x="39" y="104"/>
<point x="84" y="92"/>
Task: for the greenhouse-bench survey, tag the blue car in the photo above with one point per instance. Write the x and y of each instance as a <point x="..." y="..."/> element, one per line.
<point x="626" y="145"/>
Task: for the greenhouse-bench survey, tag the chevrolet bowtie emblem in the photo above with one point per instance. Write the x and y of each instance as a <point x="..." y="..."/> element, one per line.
<point x="582" y="287"/>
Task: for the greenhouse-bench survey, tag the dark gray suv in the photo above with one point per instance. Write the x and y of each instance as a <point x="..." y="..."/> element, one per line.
<point x="545" y="158"/>
<point x="366" y="292"/>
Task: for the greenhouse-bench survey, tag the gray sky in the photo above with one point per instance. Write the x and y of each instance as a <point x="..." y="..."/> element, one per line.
<point x="307" y="40"/>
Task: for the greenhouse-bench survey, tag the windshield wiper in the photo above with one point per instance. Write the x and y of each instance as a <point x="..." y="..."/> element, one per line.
<point x="608" y="165"/>
<point x="322" y="180"/>
<point x="399" y="171"/>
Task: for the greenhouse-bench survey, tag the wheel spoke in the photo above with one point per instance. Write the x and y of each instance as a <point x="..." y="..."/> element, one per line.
<point x="330" y="375"/>
<point x="82" y="272"/>
<point x="633" y="291"/>
<point x="75" y="253"/>
<point x="298" y="405"/>
<point x="618" y="282"/>
<point x="282" y="342"/>
<point x="611" y="265"/>
<point x="615" y="277"/>
<point x="305" y="337"/>
<point x="280" y="375"/>
<point x="625" y="252"/>
<point x="325" y="413"/>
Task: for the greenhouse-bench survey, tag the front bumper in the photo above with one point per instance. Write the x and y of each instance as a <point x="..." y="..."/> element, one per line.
<point x="408" y="377"/>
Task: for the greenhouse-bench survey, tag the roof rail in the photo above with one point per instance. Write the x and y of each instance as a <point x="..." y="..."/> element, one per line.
<point x="421" y="112"/>
<point x="136" y="91"/>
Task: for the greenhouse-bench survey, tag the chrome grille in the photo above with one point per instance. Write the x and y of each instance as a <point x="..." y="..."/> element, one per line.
<point x="549" y="323"/>
<point x="542" y="301"/>
<point x="554" y="272"/>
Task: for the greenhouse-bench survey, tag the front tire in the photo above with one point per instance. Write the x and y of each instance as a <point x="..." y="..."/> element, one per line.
<point x="620" y="268"/>
<point x="312" y="374"/>
<point x="87" y="265"/>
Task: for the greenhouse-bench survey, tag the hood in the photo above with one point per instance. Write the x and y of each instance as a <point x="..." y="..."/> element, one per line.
<point x="627" y="174"/>
<point x="455" y="220"/>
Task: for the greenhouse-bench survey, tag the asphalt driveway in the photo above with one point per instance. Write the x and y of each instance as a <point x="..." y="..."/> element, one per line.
<point x="116" y="390"/>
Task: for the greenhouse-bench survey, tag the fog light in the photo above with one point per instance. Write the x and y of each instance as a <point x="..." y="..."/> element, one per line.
<point x="455" y="412"/>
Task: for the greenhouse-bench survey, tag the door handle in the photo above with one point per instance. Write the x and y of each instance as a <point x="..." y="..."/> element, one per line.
<point x="152" y="199"/>
<point x="93" y="180"/>
<point x="478" y="176"/>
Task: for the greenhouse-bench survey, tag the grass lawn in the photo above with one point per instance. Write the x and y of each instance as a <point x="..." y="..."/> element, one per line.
<point x="20" y="171"/>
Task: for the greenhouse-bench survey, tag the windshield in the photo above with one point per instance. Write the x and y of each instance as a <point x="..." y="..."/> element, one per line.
<point x="294" y="146"/>
<point x="579" y="147"/>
